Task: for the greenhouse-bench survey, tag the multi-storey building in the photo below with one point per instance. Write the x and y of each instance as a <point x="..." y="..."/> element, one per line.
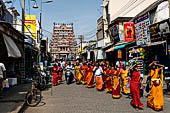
<point x="63" y="42"/>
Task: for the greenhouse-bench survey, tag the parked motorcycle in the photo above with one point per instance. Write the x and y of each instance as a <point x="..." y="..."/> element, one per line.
<point x="40" y="80"/>
<point x="167" y="78"/>
<point x="69" y="77"/>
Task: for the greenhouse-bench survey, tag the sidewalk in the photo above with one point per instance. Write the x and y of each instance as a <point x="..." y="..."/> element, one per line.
<point x="14" y="98"/>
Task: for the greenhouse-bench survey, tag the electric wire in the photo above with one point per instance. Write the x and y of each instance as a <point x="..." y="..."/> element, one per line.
<point x="133" y="7"/>
<point x="131" y="2"/>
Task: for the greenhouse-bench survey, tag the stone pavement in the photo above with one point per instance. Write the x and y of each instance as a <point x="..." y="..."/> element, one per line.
<point x="14" y="98"/>
<point x="79" y="99"/>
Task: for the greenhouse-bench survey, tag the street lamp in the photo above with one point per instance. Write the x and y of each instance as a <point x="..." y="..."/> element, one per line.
<point x="35" y="6"/>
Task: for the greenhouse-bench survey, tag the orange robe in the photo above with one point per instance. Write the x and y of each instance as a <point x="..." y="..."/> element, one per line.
<point x="90" y="77"/>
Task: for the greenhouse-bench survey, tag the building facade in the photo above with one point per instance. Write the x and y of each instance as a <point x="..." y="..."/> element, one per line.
<point x="63" y="42"/>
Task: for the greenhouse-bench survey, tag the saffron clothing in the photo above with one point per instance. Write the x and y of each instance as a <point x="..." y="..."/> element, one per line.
<point x="124" y="78"/>
<point x="83" y="71"/>
<point x="98" y="77"/>
<point x="155" y="98"/>
<point x="90" y="77"/>
<point x="135" y="90"/>
<point x="99" y="83"/>
<point x="59" y="73"/>
<point x="55" y="81"/>
<point x="116" y="85"/>
<point x="108" y="82"/>
<point x="78" y="74"/>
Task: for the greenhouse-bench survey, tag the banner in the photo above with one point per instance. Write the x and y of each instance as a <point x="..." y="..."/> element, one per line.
<point x="129" y="31"/>
<point x="141" y="24"/>
<point x="30" y="26"/>
<point x="159" y="30"/>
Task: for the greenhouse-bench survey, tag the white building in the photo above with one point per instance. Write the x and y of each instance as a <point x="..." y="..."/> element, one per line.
<point x="113" y="9"/>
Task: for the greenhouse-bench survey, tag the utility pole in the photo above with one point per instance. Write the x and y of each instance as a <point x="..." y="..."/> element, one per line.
<point x="40" y="19"/>
<point x="23" y="15"/>
<point x="169" y="7"/>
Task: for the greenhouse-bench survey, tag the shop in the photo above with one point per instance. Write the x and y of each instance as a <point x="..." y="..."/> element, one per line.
<point x="12" y="51"/>
<point x="159" y="34"/>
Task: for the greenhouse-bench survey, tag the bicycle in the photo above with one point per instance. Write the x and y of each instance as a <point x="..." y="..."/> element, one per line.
<point x="33" y="97"/>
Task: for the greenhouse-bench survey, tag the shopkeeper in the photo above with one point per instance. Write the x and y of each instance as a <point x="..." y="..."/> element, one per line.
<point x="2" y="77"/>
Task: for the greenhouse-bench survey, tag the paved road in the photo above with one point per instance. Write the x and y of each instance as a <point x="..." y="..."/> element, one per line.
<point x="79" y="99"/>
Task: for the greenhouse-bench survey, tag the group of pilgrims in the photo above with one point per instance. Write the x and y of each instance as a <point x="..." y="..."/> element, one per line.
<point x="117" y="80"/>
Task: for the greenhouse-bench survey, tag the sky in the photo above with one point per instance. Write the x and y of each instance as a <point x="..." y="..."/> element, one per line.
<point x="82" y="13"/>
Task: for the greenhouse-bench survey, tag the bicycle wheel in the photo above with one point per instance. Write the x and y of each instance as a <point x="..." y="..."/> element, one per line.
<point x="33" y="98"/>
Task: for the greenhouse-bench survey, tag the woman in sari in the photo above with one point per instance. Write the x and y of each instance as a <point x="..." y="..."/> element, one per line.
<point x="78" y="74"/>
<point x="98" y="77"/>
<point x="90" y="77"/>
<point x="59" y="72"/>
<point x="105" y="69"/>
<point x="155" y="98"/>
<point x="108" y="82"/>
<point x="83" y="71"/>
<point x="55" y="81"/>
<point x="124" y="78"/>
<point x="135" y="87"/>
<point x="116" y="84"/>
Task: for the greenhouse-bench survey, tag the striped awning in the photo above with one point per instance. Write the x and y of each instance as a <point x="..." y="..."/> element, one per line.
<point x="118" y="47"/>
<point x="109" y="50"/>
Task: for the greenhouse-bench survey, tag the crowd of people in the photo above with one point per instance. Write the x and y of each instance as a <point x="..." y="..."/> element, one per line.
<point x="117" y="80"/>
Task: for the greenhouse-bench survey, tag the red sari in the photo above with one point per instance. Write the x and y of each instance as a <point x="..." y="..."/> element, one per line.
<point x="55" y="81"/>
<point x="116" y="85"/>
<point x="108" y="82"/>
<point x="135" y="90"/>
<point x="104" y="73"/>
<point x="59" y="70"/>
<point x="90" y="77"/>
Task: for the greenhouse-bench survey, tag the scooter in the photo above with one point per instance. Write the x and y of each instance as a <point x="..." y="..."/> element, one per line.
<point x="69" y="77"/>
<point x="167" y="78"/>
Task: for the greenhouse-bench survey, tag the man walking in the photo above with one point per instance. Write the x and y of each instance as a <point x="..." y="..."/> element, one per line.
<point x="2" y="77"/>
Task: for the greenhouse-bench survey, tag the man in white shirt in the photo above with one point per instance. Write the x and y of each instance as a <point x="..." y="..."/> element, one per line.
<point x="2" y="76"/>
<point x="98" y="71"/>
<point x="62" y="64"/>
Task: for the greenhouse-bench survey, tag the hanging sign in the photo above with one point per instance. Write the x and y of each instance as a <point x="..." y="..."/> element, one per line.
<point x="30" y="26"/>
<point x="159" y="29"/>
<point x="129" y="31"/>
<point x="141" y="24"/>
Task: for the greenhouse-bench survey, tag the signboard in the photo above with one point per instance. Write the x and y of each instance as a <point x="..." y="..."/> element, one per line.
<point x="114" y="34"/>
<point x="30" y="26"/>
<point x="159" y="29"/>
<point x="100" y="35"/>
<point x="141" y="29"/>
<point x="129" y="31"/>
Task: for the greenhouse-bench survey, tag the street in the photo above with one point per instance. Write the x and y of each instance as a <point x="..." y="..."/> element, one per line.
<point x="79" y="99"/>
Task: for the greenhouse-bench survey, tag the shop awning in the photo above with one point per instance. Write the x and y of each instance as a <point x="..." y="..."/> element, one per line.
<point x="119" y="46"/>
<point x="12" y="48"/>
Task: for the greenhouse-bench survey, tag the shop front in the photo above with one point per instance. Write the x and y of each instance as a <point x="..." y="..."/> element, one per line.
<point x="12" y="52"/>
